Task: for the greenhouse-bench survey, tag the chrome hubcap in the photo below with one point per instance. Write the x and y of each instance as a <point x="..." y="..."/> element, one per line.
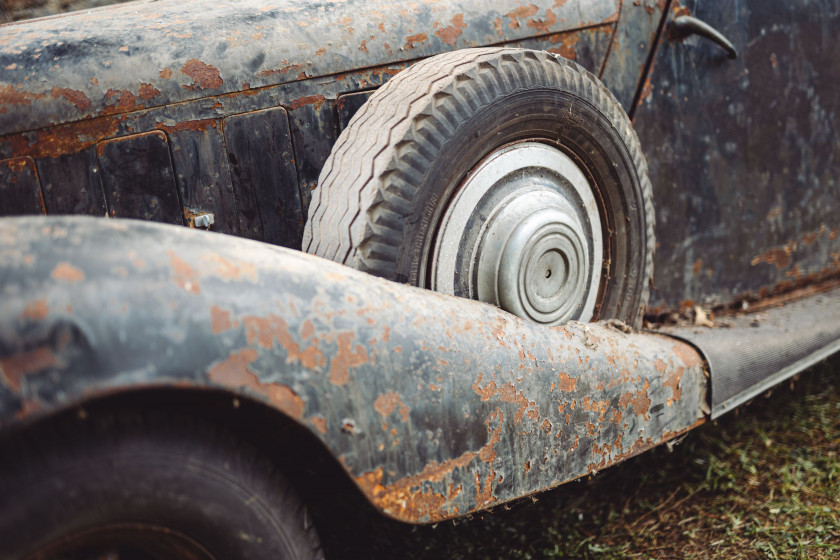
<point x="523" y="233"/>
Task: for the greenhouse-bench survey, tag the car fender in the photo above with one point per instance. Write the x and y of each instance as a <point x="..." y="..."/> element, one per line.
<point x="435" y="406"/>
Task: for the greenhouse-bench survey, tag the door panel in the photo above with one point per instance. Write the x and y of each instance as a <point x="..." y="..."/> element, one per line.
<point x="138" y="179"/>
<point x="743" y="154"/>
<point x="262" y="168"/>
<point x="20" y="190"/>
<point x="72" y="183"/>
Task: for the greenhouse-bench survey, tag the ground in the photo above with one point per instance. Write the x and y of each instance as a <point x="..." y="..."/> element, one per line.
<point x="761" y="482"/>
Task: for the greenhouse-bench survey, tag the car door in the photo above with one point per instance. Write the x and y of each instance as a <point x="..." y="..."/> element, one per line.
<point x="743" y="153"/>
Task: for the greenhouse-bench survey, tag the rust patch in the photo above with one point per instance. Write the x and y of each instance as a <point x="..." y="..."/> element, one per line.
<point x="36" y="310"/>
<point x="779" y="257"/>
<point x="567" y="383"/>
<point x="689" y="357"/>
<point x="485" y="392"/>
<point x="185" y="276"/>
<point x="672" y="380"/>
<point x="412" y="39"/>
<point x="166" y="73"/>
<point x="521" y="12"/>
<point x="320" y="423"/>
<point x="56" y="142"/>
<point x="680" y="10"/>
<point x="285" y="70"/>
<point x="508" y="393"/>
<point x="13" y="96"/>
<point x="450" y="34"/>
<point x="220" y="319"/>
<point x="316" y="100"/>
<point x="204" y="76"/>
<point x="307" y="329"/>
<point x="567" y="41"/>
<point x="266" y="331"/>
<point x="66" y="272"/>
<point x="546" y="426"/>
<point x="497" y="25"/>
<point x="230" y="270"/>
<point x="484" y="493"/>
<point x="147" y="91"/>
<point x="16" y="367"/>
<point x="345" y="359"/>
<point x="543" y="25"/>
<point x="488" y="452"/>
<point x="660" y="366"/>
<point x="387" y="402"/>
<point x="286" y="399"/>
<point x="784" y="293"/>
<point x="19" y="164"/>
<point x="235" y="372"/>
<point x="77" y="98"/>
<point x="126" y="101"/>
<point x="407" y="498"/>
<point x="61" y="140"/>
<point x="197" y="126"/>
<point x="639" y="400"/>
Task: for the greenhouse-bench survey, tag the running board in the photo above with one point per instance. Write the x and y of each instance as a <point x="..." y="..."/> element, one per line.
<point x="759" y="350"/>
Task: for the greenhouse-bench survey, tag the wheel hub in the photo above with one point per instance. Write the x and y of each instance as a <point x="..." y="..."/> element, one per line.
<point x="523" y="232"/>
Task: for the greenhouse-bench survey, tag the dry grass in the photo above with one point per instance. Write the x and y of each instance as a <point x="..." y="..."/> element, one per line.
<point x="763" y="482"/>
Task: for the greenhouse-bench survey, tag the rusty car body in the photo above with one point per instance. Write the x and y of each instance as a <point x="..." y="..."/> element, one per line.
<point x="221" y="115"/>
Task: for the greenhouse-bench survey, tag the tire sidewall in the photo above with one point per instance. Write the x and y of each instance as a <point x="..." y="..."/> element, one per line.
<point x="194" y="482"/>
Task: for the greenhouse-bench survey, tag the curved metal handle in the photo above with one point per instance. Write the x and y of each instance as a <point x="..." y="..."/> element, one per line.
<point x="687" y="25"/>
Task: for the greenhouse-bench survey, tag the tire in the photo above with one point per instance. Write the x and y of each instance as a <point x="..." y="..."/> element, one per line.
<point x="398" y="166"/>
<point x="148" y="487"/>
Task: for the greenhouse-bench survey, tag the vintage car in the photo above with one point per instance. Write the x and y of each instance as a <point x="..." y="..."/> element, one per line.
<point x="564" y="232"/>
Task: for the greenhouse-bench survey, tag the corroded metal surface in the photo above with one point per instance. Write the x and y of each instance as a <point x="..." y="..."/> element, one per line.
<point x="743" y="153"/>
<point x="142" y="55"/>
<point x="72" y="82"/>
<point x="436" y="406"/>
<point x="635" y="38"/>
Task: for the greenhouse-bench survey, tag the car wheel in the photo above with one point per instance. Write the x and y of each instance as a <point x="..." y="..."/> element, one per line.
<point x="135" y="486"/>
<point x="505" y="175"/>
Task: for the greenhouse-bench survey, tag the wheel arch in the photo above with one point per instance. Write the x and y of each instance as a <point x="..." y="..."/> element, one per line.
<point x="340" y="510"/>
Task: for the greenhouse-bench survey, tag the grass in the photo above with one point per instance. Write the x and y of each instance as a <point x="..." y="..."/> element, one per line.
<point x="762" y="482"/>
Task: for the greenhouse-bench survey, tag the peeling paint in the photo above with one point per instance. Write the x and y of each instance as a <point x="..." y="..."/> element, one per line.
<point x="450" y="34"/>
<point x="66" y="272"/>
<point x="204" y="75"/>
<point x="77" y="98"/>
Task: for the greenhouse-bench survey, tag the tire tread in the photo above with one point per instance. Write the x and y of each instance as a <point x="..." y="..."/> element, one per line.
<point x="422" y="107"/>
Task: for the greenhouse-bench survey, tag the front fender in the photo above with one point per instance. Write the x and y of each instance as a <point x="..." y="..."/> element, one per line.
<point x="435" y="406"/>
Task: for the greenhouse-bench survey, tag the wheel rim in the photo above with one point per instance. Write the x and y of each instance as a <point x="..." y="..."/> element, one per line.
<point x="523" y="232"/>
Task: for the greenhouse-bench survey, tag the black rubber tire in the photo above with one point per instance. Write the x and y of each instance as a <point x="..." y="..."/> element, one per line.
<point x="161" y="471"/>
<point x="396" y="166"/>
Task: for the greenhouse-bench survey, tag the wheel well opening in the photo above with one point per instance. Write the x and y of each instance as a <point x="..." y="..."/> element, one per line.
<point x="343" y="517"/>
